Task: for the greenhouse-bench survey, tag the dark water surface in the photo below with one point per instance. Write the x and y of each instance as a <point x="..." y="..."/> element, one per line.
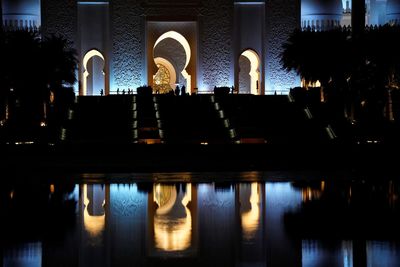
<point x="184" y="219"/>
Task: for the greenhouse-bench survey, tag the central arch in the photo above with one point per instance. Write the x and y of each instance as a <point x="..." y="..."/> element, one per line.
<point x="185" y="44"/>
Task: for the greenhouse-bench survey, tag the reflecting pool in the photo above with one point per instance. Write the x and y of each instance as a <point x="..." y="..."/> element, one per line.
<point x="182" y="220"/>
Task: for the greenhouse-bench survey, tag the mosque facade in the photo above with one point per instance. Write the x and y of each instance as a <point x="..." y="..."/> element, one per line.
<point x="199" y="44"/>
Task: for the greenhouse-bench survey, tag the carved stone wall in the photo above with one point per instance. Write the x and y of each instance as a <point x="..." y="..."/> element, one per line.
<point x="214" y="34"/>
<point x="282" y="17"/>
<point x="216" y="50"/>
<point x="60" y="17"/>
<point x="128" y="42"/>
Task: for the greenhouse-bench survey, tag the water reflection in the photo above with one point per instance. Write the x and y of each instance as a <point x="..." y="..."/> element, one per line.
<point x="250" y="214"/>
<point x="94" y="216"/>
<point x="173" y="219"/>
<point x="302" y="223"/>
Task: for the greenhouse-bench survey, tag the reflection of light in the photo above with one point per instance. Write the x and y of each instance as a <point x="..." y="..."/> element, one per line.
<point x="309" y="194"/>
<point x="52" y="188"/>
<point x="51" y="97"/>
<point x="24" y="255"/>
<point x="172" y="233"/>
<point x="93" y="224"/>
<point x="24" y="143"/>
<point x="250" y="219"/>
<point x="12" y="194"/>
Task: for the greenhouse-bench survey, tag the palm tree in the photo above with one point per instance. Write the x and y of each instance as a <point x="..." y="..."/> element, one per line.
<point x="59" y="62"/>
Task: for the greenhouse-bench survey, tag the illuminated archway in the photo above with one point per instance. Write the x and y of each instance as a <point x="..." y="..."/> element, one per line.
<point x="94" y="224"/>
<point x="169" y="67"/>
<point x="182" y="40"/>
<point x="89" y="55"/>
<point x="254" y="73"/>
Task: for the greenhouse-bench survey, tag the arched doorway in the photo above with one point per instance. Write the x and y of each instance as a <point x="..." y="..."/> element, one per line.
<point x="93" y="75"/>
<point x="165" y="78"/>
<point x="249" y="72"/>
<point x="187" y="52"/>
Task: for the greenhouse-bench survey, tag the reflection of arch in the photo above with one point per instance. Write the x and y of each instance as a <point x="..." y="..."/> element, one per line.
<point x="254" y="73"/>
<point x="168" y="65"/>
<point x="250" y="219"/>
<point x="93" y="224"/>
<point x="182" y="40"/>
<point x="172" y="232"/>
<point x="92" y="53"/>
<point x="165" y="197"/>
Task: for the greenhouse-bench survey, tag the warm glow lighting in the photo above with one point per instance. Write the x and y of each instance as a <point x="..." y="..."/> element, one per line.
<point x="24" y="143"/>
<point x="52" y="188"/>
<point x="86" y="58"/>
<point x="172" y="233"/>
<point x="94" y="225"/>
<point x="250" y="219"/>
<point x="254" y="73"/>
<point x="51" y="97"/>
<point x="182" y="40"/>
<point x="43" y="124"/>
<point x="170" y="68"/>
<point x="12" y="194"/>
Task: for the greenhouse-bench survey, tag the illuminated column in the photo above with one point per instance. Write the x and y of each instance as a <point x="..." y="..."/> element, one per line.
<point x="249" y="28"/>
<point x="93" y="47"/>
<point x="1" y="15"/>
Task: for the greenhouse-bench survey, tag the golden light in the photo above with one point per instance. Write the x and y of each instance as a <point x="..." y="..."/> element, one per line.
<point x="52" y="188"/>
<point x="52" y="97"/>
<point x="12" y="194"/>
<point x="94" y="225"/>
<point x="172" y="233"/>
<point x="182" y="40"/>
<point x="168" y="65"/>
<point x="250" y="219"/>
<point x="86" y="58"/>
<point x="254" y="73"/>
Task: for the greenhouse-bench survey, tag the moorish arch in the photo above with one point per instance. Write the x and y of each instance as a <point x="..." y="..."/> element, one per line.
<point x="185" y="44"/>
<point x="253" y="75"/>
<point x="92" y="54"/>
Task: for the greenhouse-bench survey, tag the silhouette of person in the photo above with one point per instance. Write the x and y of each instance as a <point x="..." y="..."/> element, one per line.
<point x="101" y="92"/>
<point x="117" y="91"/>
<point x="123" y="91"/>
<point x="183" y="90"/>
<point x="177" y="90"/>
<point x="232" y="89"/>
